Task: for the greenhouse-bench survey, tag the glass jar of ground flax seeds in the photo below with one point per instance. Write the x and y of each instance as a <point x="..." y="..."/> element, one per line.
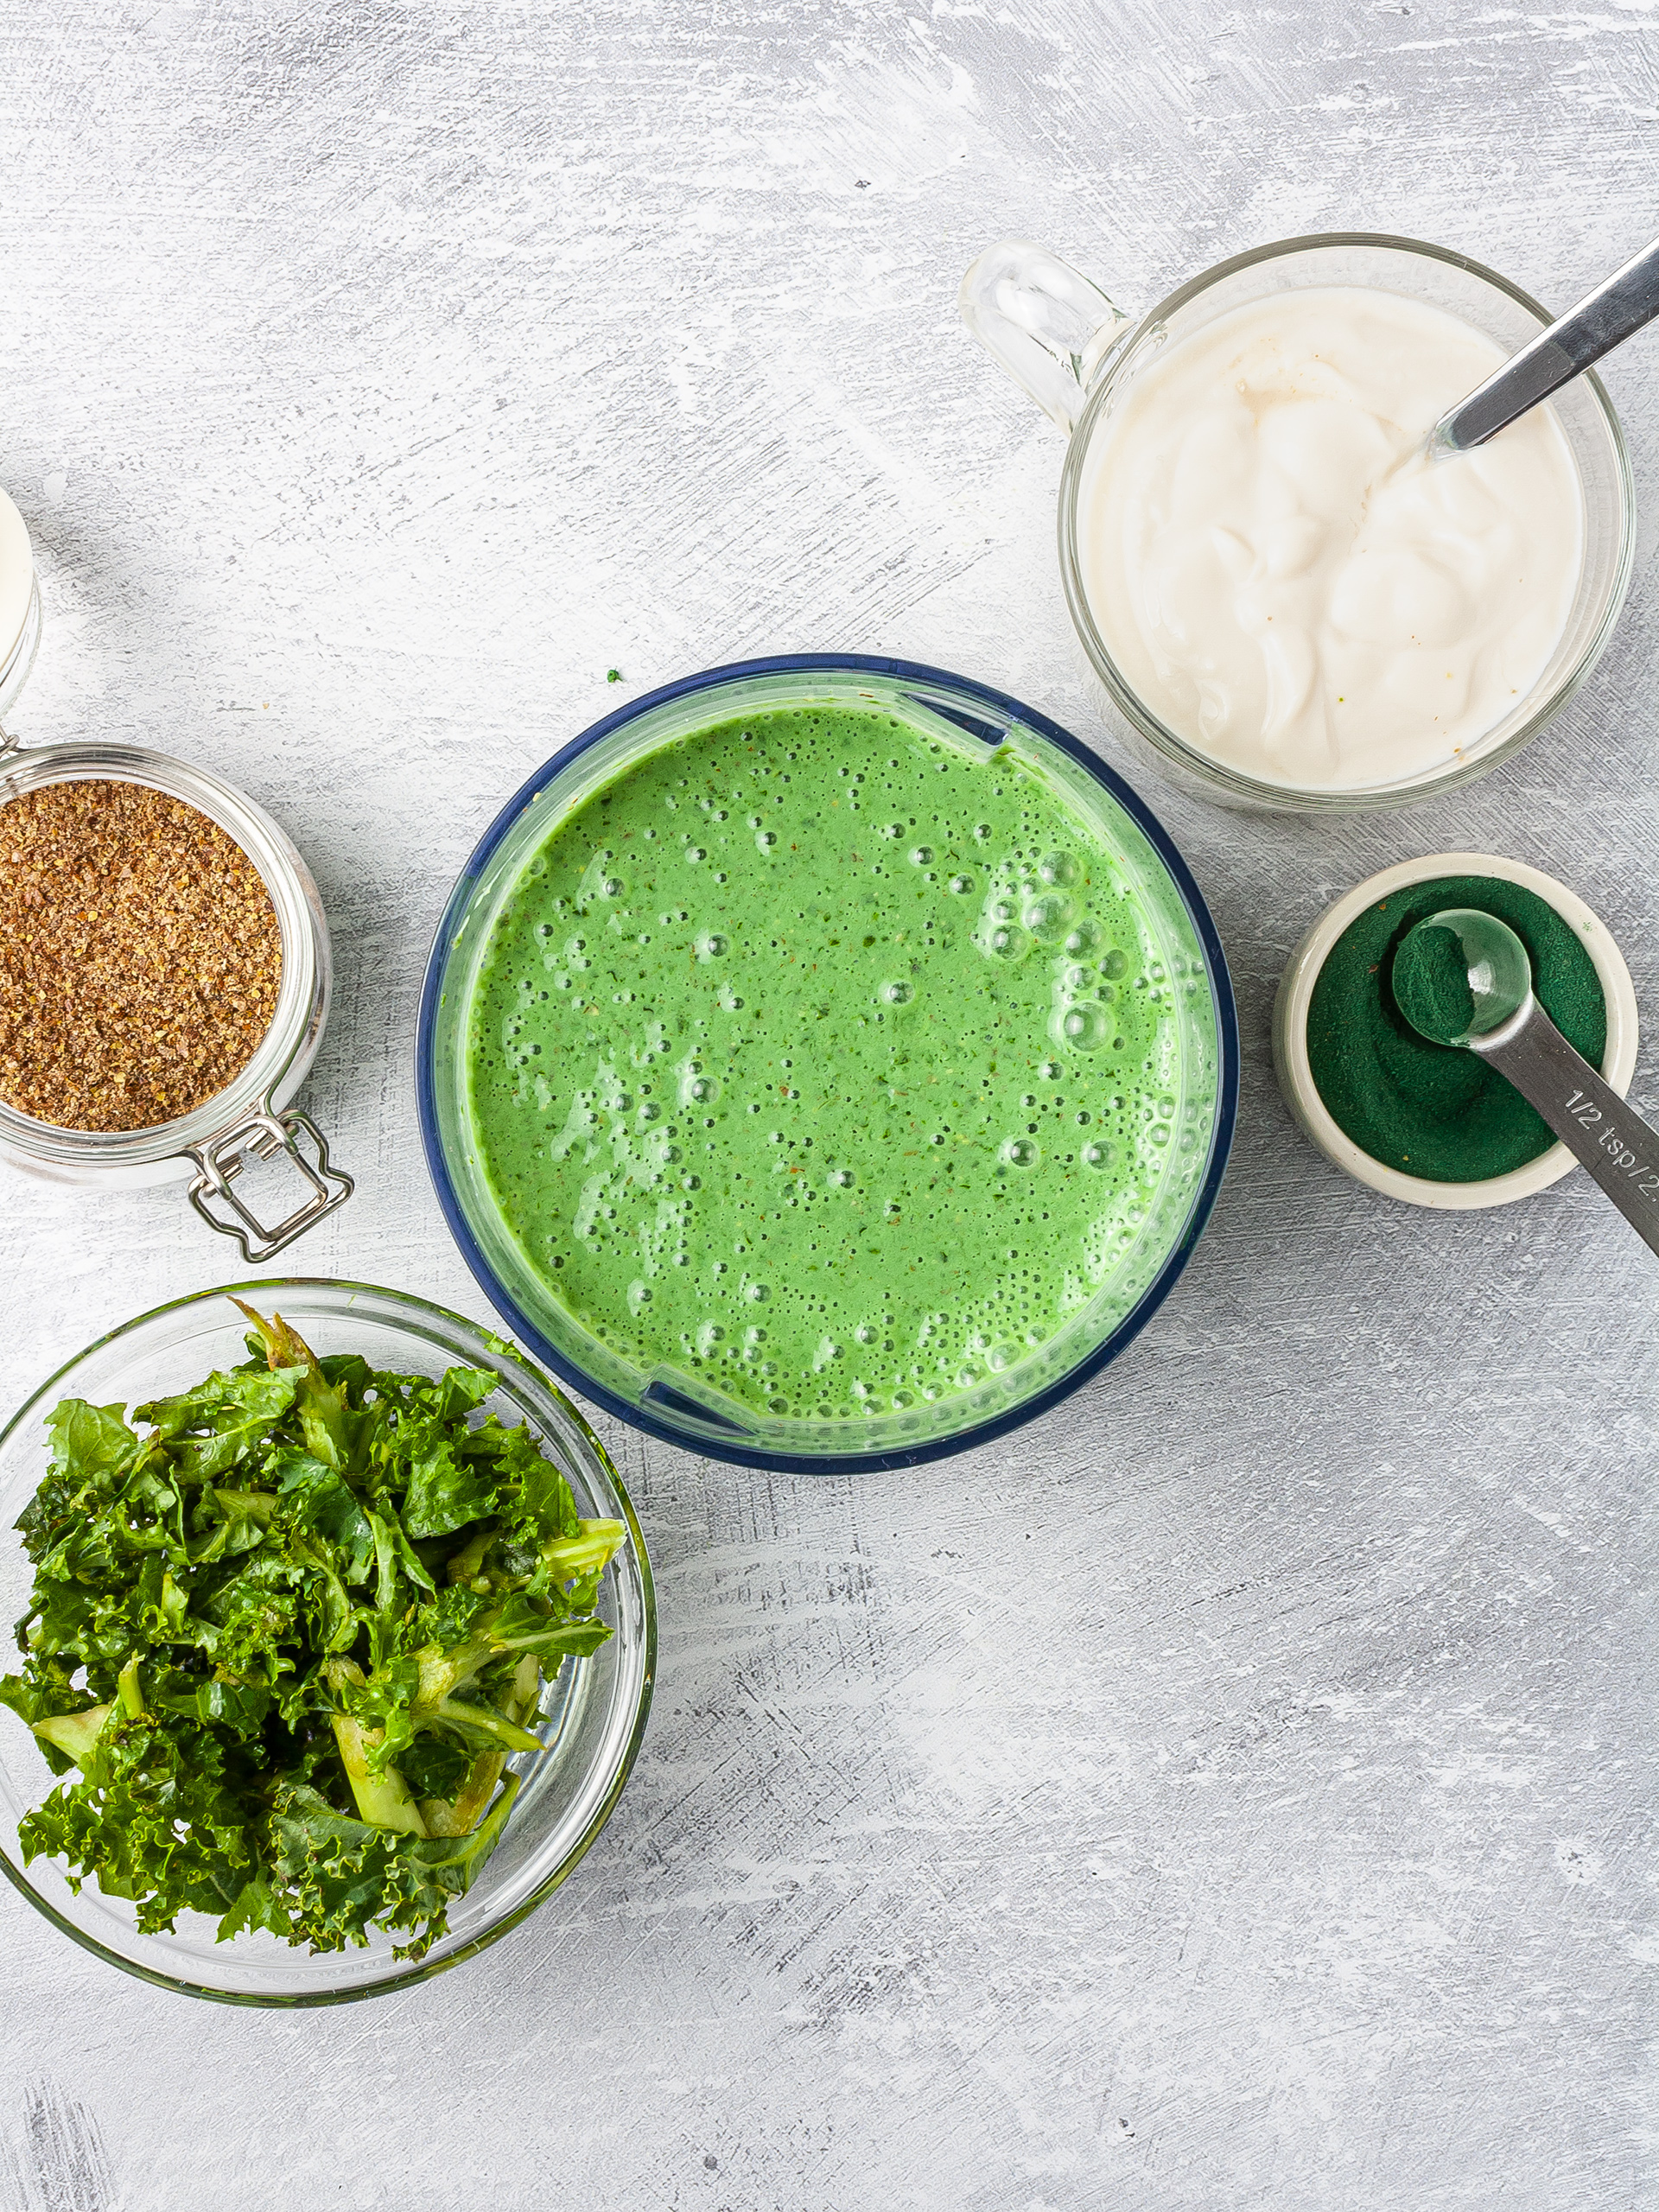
<point x="164" y="968"/>
<point x="182" y="1024"/>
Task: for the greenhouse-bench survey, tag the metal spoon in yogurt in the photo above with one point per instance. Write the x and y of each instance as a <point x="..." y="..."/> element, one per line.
<point x="1602" y="320"/>
<point x="1463" y="977"/>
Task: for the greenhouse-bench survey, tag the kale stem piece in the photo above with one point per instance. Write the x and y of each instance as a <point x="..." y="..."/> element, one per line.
<point x="461" y="1715"/>
<point x="458" y="1815"/>
<point x="467" y="1561"/>
<point x="75" y="1733"/>
<point x="383" y="1799"/>
<point x="593" y="1549"/>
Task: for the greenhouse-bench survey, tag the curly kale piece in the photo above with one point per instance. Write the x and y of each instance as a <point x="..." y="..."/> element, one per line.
<point x="287" y="1629"/>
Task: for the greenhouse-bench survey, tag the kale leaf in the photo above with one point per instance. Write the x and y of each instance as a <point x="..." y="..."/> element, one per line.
<point x="287" y="1629"/>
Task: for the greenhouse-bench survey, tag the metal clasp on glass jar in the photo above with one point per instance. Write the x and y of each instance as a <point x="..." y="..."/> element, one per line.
<point x="254" y="1116"/>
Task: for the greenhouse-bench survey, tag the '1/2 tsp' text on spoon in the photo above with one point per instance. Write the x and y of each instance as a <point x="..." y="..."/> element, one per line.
<point x="1463" y="978"/>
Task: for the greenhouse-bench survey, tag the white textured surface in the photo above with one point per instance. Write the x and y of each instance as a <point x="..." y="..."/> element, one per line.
<point x="1232" y="1792"/>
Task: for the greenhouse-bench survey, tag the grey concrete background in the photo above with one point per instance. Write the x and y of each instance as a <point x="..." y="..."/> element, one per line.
<point x="1234" y="1791"/>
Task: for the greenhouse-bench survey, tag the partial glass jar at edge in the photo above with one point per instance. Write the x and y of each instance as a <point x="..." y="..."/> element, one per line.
<point x="1077" y="354"/>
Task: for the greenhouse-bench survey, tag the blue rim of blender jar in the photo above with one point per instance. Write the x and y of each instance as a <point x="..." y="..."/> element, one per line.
<point x="985" y="1432"/>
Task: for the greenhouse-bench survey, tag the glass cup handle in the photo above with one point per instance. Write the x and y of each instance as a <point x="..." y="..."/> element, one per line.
<point x="1049" y="327"/>
<point x="266" y="1133"/>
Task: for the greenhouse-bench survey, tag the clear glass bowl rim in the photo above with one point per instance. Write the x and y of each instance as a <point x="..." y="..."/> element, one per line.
<point x="1289" y="799"/>
<point x="649" y="1419"/>
<point x="418" y="1970"/>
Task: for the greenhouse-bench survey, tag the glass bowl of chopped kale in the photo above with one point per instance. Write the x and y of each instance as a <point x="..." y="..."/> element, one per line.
<point x="335" y="1643"/>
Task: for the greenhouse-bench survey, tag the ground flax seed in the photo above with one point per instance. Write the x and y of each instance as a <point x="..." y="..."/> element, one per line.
<point x="140" y="956"/>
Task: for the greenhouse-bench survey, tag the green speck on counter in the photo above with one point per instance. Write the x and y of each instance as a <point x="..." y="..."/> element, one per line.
<point x="612" y="675"/>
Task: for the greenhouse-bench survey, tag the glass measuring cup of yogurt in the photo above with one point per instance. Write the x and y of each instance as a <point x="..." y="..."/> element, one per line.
<point x="1289" y="606"/>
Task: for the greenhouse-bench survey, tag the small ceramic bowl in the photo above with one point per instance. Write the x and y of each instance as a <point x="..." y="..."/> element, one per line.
<point x="1295" y="1075"/>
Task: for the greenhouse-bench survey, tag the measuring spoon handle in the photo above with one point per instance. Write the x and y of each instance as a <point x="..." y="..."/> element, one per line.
<point x="1604" y="1135"/>
<point x="1603" y="319"/>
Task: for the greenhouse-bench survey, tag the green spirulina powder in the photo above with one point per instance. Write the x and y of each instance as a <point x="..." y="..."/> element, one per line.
<point x="1430" y="976"/>
<point x="1439" y="1111"/>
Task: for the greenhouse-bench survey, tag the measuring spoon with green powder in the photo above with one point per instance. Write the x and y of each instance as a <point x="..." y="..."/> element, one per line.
<point x="1463" y="977"/>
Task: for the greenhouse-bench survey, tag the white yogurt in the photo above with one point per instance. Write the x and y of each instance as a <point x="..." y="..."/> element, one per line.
<point x="1283" y="576"/>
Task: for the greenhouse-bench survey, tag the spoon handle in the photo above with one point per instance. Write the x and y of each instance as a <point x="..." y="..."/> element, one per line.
<point x="1607" y="1136"/>
<point x="1603" y="319"/>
